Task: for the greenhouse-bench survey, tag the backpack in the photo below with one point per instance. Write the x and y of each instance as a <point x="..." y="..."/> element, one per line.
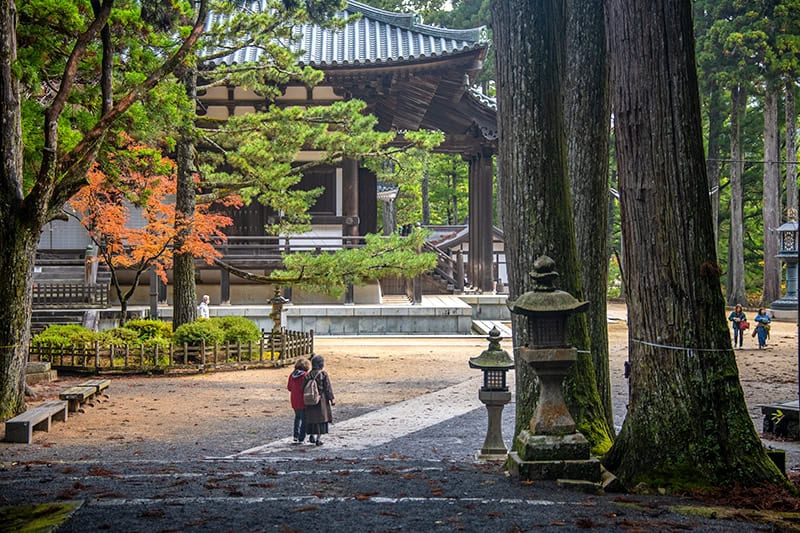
<point x="311" y="394"/>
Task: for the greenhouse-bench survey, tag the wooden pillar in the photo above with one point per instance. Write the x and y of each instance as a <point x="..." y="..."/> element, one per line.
<point x="224" y="287"/>
<point x="153" y="294"/>
<point x="349" y="209"/>
<point x="479" y="266"/>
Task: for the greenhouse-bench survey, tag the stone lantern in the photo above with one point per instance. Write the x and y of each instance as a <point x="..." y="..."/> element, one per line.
<point x="494" y="362"/>
<point x="277" y="301"/>
<point x="786" y="307"/>
<point x="550" y="448"/>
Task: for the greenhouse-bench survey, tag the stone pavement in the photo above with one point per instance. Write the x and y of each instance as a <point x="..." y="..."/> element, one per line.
<point x="405" y="467"/>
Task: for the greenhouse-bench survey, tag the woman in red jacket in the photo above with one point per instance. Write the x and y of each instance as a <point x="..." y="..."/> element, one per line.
<point x="295" y="386"/>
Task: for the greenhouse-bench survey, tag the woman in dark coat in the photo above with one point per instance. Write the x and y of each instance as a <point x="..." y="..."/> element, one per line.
<point x="319" y="416"/>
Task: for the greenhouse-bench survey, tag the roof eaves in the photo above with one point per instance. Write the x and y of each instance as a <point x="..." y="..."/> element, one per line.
<point x="412" y="21"/>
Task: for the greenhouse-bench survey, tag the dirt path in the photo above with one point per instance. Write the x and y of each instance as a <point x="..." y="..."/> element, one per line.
<point x="226" y="412"/>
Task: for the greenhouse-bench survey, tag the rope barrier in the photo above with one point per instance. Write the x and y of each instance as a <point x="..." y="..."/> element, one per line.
<point x="678" y="348"/>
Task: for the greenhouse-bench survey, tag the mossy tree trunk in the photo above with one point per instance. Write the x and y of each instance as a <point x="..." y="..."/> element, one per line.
<point x="588" y="114"/>
<point x="537" y="205"/>
<point x="183" y="270"/>
<point x="687" y="421"/>
<point x="20" y="227"/>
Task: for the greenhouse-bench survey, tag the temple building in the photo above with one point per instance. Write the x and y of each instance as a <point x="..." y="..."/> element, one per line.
<point x="411" y="76"/>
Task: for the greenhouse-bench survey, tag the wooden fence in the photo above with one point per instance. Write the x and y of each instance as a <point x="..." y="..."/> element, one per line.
<point x="274" y="349"/>
<point x="70" y="294"/>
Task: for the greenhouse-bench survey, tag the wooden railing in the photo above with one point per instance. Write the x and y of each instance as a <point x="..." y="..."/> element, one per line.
<point x="70" y="294"/>
<point x="274" y="349"/>
<point x="271" y="249"/>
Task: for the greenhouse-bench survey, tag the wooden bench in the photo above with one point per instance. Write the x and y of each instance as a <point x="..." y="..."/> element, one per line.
<point x="20" y="428"/>
<point x="99" y="384"/>
<point x="77" y="395"/>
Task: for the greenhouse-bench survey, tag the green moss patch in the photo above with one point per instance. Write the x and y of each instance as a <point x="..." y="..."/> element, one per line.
<point x="784" y="521"/>
<point x="37" y="518"/>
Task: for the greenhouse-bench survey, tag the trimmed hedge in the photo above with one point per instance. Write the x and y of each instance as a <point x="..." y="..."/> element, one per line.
<point x="66" y="335"/>
<point x="196" y="332"/>
<point x="238" y="329"/>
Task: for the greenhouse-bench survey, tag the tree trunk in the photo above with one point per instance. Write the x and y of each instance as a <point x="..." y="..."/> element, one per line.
<point x="17" y="240"/>
<point x="791" y="151"/>
<point x="389" y="217"/>
<point x="537" y="205"/>
<point x="587" y="112"/>
<point x="183" y="269"/>
<point x="715" y="123"/>
<point x="735" y="280"/>
<point x="771" y="206"/>
<point x="687" y="422"/>
<point x="426" y="198"/>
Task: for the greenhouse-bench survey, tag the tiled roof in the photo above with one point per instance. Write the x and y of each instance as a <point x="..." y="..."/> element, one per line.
<point x="377" y="37"/>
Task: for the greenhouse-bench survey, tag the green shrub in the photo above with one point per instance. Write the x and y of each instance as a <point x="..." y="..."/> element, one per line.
<point x="150" y="329"/>
<point x="238" y="329"/>
<point x="161" y="342"/>
<point x="120" y="337"/>
<point x="196" y="332"/>
<point x="66" y="335"/>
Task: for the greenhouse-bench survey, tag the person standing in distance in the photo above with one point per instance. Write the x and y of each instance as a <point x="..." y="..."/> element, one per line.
<point x="319" y="416"/>
<point x="202" y="309"/>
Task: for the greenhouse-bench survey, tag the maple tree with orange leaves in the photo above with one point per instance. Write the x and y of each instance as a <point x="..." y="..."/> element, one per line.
<point x="128" y="210"/>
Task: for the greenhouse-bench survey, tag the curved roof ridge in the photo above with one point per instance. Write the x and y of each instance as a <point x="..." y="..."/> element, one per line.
<point x="413" y="21"/>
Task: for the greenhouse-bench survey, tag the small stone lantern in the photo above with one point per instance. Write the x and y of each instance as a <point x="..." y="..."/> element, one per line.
<point x="786" y="307"/>
<point x="494" y="362"/>
<point x="550" y="448"/>
<point x="277" y="302"/>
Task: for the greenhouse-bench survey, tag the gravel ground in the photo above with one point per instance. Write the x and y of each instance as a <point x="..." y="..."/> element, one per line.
<point x="160" y="453"/>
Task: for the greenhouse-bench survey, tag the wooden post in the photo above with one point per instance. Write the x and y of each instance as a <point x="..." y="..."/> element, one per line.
<point x="185" y="354"/>
<point x="224" y="287"/>
<point x="127" y="353"/>
<point x="155" y="354"/>
<point x="141" y="355"/>
<point x="111" y="356"/>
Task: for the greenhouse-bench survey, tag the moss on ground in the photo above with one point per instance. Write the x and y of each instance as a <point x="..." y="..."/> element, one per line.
<point x="39" y="518"/>
<point x="784" y="521"/>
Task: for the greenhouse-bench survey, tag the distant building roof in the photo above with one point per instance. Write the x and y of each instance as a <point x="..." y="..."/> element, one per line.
<point x="377" y="37"/>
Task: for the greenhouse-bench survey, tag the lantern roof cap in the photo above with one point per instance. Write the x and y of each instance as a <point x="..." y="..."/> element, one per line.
<point x="791" y="225"/>
<point x="545" y="299"/>
<point x="493" y="357"/>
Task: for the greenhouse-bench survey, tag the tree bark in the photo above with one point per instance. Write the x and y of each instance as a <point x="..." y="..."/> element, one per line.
<point x="17" y="240"/>
<point x="183" y="268"/>
<point x="791" y="150"/>
<point x="588" y="114"/>
<point x="715" y="115"/>
<point x="771" y="206"/>
<point x="687" y="422"/>
<point x="735" y="288"/>
<point x="537" y="205"/>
